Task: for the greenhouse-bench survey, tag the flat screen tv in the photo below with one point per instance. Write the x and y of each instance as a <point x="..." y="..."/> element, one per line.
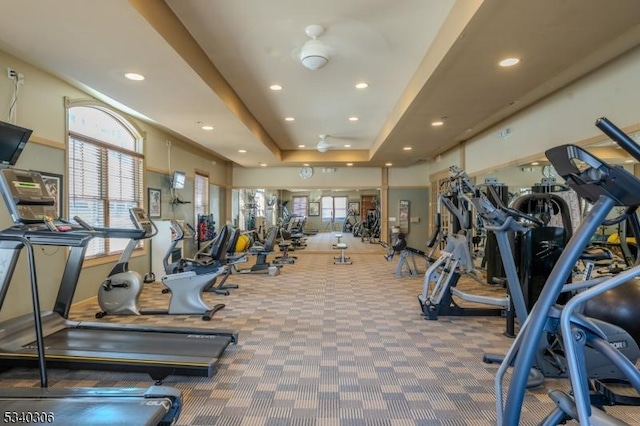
<point x="12" y="141"/>
<point x="177" y="180"/>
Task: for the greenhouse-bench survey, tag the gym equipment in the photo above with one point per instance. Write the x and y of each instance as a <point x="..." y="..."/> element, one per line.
<point x="205" y="268"/>
<point x="549" y="359"/>
<point x="456" y="200"/>
<point x="604" y="186"/>
<point x="442" y="276"/>
<point x="157" y="405"/>
<point x="120" y="293"/>
<point x="230" y="258"/>
<point x="538" y="249"/>
<point x="158" y="351"/>
<point x="341" y="259"/>
<point x="407" y="255"/>
<point x="440" y="282"/>
<point x="261" y="252"/>
<point x="284" y="258"/>
<point x="491" y="260"/>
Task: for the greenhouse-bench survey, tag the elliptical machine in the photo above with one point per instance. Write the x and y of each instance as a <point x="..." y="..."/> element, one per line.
<point x="119" y="294"/>
<point x="604" y="186"/>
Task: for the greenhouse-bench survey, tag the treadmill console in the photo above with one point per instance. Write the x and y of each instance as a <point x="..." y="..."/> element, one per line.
<point x="27" y="196"/>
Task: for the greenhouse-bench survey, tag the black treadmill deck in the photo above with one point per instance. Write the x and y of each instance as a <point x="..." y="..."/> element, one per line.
<point x="158" y="351"/>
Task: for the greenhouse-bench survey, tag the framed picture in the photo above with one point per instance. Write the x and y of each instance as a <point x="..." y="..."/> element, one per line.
<point x="53" y="182"/>
<point x="155" y="202"/>
<point x="354" y="206"/>
<point x="314" y="208"/>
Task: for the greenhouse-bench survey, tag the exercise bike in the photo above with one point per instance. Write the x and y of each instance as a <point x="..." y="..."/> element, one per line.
<point x="119" y="294"/>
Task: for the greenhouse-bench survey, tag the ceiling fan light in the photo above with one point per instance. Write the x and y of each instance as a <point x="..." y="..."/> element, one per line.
<point x="314" y="55"/>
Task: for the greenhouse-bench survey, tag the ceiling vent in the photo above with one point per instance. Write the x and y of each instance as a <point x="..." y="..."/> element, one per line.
<point x="314" y="53"/>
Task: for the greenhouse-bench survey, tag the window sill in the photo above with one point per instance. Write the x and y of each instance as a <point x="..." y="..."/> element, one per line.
<point x="103" y="260"/>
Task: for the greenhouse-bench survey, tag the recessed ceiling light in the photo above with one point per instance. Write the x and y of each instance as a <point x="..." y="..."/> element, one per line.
<point x="349" y="164"/>
<point x="362" y="85"/>
<point x="535" y="163"/>
<point x="301" y="146"/>
<point x="242" y="151"/>
<point x="509" y="62"/>
<point x="134" y="76"/>
<point x="437" y="123"/>
<point x="629" y="161"/>
<point x="388" y="164"/>
<point x="207" y="127"/>
<point x="263" y="164"/>
<point x="347" y="146"/>
<point x="275" y="87"/>
<point x="306" y="164"/>
<point x="353" y="118"/>
<point x="407" y="148"/>
<point x="289" y="119"/>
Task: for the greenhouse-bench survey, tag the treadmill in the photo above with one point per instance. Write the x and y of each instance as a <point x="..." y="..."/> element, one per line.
<point x="158" y="351"/>
<point x="157" y="405"/>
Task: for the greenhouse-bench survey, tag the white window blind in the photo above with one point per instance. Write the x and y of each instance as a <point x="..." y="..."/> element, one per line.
<point x="105" y="180"/>
<point x="340" y="208"/>
<point x="334" y="208"/>
<point x="327" y="209"/>
<point x="300" y="206"/>
<point x="201" y="196"/>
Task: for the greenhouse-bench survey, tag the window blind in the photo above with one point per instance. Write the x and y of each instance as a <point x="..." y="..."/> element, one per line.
<point x="201" y="196"/>
<point x="104" y="184"/>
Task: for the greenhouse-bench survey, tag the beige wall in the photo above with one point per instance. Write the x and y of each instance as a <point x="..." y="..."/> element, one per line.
<point x="413" y="176"/>
<point x="288" y="178"/>
<point x="566" y="117"/>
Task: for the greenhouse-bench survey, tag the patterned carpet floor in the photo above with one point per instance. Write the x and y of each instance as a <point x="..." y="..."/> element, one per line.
<point x="324" y="344"/>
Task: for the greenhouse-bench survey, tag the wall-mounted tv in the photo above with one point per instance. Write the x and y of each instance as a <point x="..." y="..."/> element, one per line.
<point x="177" y="180"/>
<point x="12" y="141"/>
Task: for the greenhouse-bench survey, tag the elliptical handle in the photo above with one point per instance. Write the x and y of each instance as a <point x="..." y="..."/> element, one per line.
<point x="620" y="137"/>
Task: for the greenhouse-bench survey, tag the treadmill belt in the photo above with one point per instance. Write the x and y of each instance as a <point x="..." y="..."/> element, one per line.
<point x="93" y="411"/>
<point x="157" y="353"/>
<point x="123" y="342"/>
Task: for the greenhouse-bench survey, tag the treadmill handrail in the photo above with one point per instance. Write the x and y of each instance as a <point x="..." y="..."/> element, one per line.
<point x="35" y="300"/>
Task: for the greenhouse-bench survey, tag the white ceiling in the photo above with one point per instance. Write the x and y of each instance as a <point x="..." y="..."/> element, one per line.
<point x="212" y="61"/>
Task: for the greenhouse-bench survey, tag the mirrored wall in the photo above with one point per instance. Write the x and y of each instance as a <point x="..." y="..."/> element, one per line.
<point x="324" y="209"/>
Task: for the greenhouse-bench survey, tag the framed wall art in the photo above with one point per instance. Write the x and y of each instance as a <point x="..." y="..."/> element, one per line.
<point x="155" y="202"/>
<point x="314" y="208"/>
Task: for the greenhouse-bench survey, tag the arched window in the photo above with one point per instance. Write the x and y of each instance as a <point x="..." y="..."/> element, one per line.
<point x="105" y="163"/>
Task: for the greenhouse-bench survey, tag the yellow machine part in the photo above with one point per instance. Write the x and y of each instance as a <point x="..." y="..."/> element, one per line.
<point x="243" y="243"/>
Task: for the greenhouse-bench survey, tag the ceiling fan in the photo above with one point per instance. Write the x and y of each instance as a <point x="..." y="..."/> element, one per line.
<point x="323" y="144"/>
